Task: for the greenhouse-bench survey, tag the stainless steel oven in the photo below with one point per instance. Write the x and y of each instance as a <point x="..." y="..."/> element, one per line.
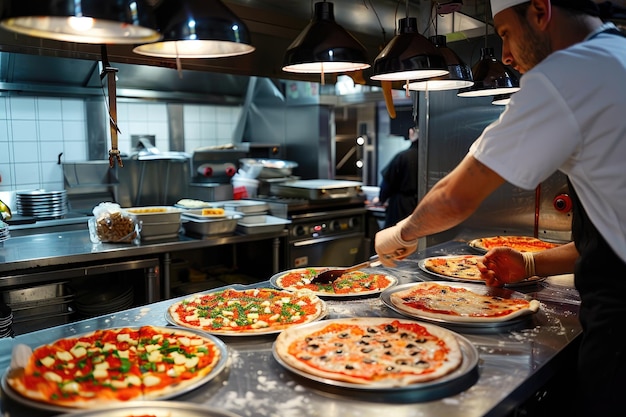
<point x="327" y="238"/>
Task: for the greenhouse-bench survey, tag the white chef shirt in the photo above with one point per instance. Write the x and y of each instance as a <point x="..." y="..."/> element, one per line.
<point x="570" y="115"/>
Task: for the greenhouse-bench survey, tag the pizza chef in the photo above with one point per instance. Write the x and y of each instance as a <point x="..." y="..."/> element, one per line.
<point x="568" y="116"/>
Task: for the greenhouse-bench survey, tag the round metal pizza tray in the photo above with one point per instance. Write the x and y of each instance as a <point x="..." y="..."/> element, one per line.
<point x="524" y="283"/>
<point x="480" y="289"/>
<point x="259" y="332"/>
<point x="155" y="408"/>
<point x="274" y="283"/>
<point x="217" y="369"/>
<point x="458" y="380"/>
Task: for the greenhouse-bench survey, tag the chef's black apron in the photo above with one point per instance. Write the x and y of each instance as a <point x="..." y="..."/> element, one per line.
<point x="600" y="277"/>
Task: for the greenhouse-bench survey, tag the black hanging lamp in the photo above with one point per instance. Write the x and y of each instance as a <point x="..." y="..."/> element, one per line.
<point x="491" y="77"/>
<point x="409" y="55"/>
<point x="197" y="29"/>
<point x="324" y="46"/>
<point x="459" y="73"/>
<point x="82" y="21"/>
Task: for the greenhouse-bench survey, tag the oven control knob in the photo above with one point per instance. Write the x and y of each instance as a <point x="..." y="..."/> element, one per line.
<point x="354" y="222"/>
<point x="335" y="226"/>
<point x="299" y="231"/>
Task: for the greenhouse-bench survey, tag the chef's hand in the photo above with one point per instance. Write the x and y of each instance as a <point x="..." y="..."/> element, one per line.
<point x="389" y="244"/>
<point x="502" y="266"/>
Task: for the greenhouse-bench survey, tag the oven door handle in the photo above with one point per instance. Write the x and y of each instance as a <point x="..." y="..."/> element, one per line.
<point x="314" y="241"/>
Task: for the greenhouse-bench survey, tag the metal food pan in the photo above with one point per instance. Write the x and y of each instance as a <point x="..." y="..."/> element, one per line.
<point x="269" y="224"/>
<point x="211" y="227"/>
<point x="155" y="214"/>
<point x="41" y="292"/>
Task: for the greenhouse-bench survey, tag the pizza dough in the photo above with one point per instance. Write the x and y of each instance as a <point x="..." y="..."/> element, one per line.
<point x="462" y="303"/>
<point x="377" y="352"/>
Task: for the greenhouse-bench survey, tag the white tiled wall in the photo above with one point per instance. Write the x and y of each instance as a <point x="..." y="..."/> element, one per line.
<point x="34" y="131"/>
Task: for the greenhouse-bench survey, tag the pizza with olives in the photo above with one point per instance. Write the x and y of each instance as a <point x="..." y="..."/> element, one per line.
<point x="250" y="311"/>
<point x="117" y="365"/>
<point x="372" y="352"/>
<point x="353" y="283"/>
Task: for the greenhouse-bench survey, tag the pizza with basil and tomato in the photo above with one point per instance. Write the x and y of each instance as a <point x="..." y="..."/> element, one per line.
<point x="370" y="352"/>
<point x="349" y="284"/>
<point x="467" y="303"/>
<point x="519" y="243"/>
<point x="249" y="311"/>
<point x="116" y="365"/>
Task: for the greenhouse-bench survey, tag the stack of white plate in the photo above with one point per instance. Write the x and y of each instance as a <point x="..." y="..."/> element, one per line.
<point x="6" y="320"/>
<point x="4" y="232"/>
<point x="104" y="301"/>
<point x="42" y="204"/>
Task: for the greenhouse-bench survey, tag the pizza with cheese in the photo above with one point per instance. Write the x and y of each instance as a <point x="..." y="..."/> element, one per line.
<point x="462" y="303"/>
<point x="370" y="352"/>
<point x="249" y="311"/>
<point x="454" y="266"/>
<point x="519" y="243"/>
<point x="349" y="284"/>
<point x="117" y="365"/>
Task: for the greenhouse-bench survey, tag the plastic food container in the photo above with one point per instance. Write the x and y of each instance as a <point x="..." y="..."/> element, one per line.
<point x="261" y="224"/>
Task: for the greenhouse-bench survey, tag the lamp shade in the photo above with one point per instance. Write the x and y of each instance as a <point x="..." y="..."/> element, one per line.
<point x="324" y="46"/>
<point x="197" y="29"/>
<point x="82" y="21"/>
<point x="408" y="56"/>
<point x="501" y="100"/>
<point x="491" y="77"/>
<point x="459" y="73"/>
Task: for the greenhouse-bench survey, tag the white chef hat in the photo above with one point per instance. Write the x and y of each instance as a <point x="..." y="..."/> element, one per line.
<point x="498" y="5"/>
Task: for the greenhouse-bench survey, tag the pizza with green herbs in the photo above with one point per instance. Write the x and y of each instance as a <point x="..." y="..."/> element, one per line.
<point x="117" y="365"/>
<point x="349" y="284"/>
<point x="249" y="311"/>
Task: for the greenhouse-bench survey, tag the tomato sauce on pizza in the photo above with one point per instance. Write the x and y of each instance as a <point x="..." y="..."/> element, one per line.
<point x="258" y="310"/>
<point x="372" y="351"/>
<point x="519" y="243"/>
<point x="350" y="283"/>
<point x="116" y="365"/>
<point x="460" y="303"/>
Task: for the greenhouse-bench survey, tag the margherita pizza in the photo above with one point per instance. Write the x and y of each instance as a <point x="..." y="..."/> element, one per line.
<point x="250" y="311"/>
<point x="115" y="365"/>
<point x="462" y="303"/>
<point x="373" y="352"/>
<point x="349" y="284"/>
<point x="519" y="243"/>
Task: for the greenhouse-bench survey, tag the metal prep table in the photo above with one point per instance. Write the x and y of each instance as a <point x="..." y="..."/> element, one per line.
<point x="513" y="363"/>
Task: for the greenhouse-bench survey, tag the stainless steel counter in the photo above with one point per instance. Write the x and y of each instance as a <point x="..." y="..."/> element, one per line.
<point x="513" y="362"/>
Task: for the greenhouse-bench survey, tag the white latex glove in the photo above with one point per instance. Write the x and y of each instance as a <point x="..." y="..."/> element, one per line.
<point x="389" y="244"/>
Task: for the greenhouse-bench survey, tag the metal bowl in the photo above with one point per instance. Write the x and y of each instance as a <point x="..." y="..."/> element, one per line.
<point x="272" y="168"/>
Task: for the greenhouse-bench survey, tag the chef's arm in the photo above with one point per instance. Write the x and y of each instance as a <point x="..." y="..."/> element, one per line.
<point x="452" y="200"/>
<point x="556" y="261"/>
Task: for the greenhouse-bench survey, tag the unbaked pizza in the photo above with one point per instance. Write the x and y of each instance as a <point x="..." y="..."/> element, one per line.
<point x="117" y="365"/>
<point x="519" y="243"/>
<point x="249" y="311"/>
<point x="468" y="303"/>
<point x="370" y="352"/>
<point x="349" y="284"/>
<point x="455" y="266"/>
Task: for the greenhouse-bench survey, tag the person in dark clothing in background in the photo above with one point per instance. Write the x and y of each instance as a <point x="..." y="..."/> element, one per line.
<point x="399" y="184"/>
